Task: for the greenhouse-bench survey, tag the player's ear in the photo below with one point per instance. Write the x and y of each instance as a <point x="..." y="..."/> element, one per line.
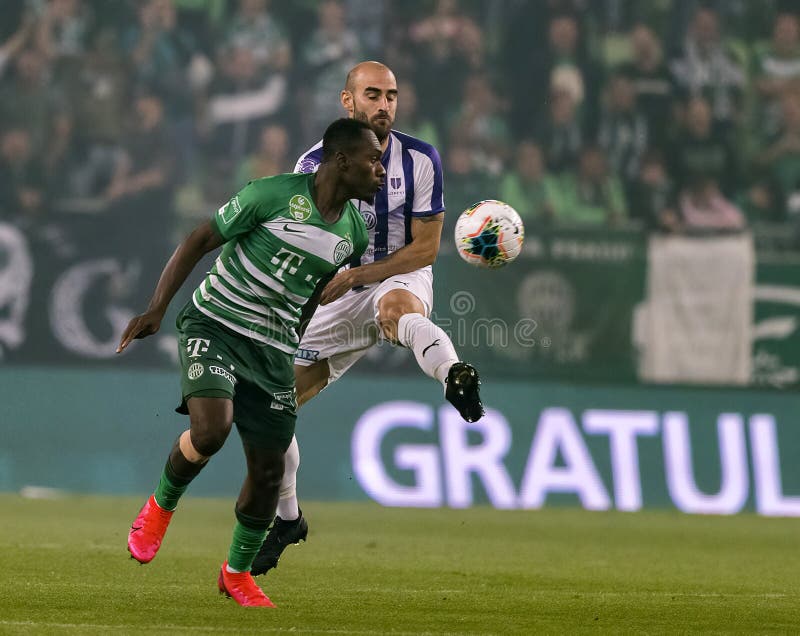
<point x="346" y="98"/>
<point x="342" y="161"/>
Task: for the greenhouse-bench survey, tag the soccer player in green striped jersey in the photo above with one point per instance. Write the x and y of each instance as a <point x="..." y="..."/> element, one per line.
<point x="283" y="238"/>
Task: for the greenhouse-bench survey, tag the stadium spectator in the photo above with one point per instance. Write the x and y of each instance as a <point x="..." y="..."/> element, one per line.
<point x="14" y="41"/>
<point x="593" y="195"/>
<point x="368" y="18"/>
<point x="141" y="191"/>
<point x="270" y="157"/>
<point x="560" y="132"/>
<point x="466" y="181"/>
<point x="327" y="55"/>
<point x="254" y="28"/>
<point x="780" y="158"/>
<point x="480" y="123"/>
<point x="652" y="199"/>
<point x="623" y="132"/>
<point x="652" y="82"/>
<point x="448" y="45"/>
<point x="704" y="149"/>
<point x="162" y="53"/>
<point x="63" y="29"/>
<point x="22" y="192"/>
<point x="204" y="19"/>
<point x="704" y="208"/>
<point x="529" y="188"/>
<point x="777" y="70"/>
<point x="411" y="120"/>
<point x="243" y="98"/>
<point x="709" y="68"/>
<point x="29" y="99"/>
<point x="104" y="89"/>
<point x="563" y="63"/>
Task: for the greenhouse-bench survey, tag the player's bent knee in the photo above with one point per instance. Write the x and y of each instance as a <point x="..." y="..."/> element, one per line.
<point x="265" y="468"/>
<point x="210" y="420"/>
<point x="188" y="449"/>
<point x="395" y="305"/>
<point x="208" y="442"/>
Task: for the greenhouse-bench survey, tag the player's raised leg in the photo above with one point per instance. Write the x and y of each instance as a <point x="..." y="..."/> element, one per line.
<point x="402" y="318"/>
<point x="210" y="423"/>
<point x="255" y="509"/>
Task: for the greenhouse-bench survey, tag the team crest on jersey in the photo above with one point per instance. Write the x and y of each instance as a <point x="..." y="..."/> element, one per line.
<point x="370" y="220"/>
<point x="308" y="165"/>
<point x="300" y="207"/>
<point x="195" y="371"/>
<point x="395" y="182"/>
<point x="343" y="249"/>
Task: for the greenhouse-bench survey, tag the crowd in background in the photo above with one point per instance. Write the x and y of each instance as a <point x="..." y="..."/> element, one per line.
<point x="666" y="115"/>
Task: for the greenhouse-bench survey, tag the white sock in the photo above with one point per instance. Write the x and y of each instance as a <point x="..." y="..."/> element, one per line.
<point x="432" y="347"/>
<point x="229" y="569"/>
<point x="288" y="509"/>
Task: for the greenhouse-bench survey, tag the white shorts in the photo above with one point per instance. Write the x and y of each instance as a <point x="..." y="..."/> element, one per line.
<point x="342" y="331"/>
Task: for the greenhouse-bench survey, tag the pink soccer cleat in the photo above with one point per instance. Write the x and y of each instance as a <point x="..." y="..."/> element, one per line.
<point x="241" y="587"/>
<point x="147" y="531"/>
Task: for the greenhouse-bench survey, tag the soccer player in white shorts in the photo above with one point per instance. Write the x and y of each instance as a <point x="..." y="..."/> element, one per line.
<point x="387" y="293"/>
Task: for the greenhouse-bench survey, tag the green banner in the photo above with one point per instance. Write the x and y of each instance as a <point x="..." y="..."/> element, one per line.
<point x="566" y="306"/>
<point x="397" y="442"/>
<point x="776" y="324"/>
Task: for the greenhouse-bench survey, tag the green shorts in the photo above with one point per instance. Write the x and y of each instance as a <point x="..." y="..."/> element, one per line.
<point x="217" y="362"/>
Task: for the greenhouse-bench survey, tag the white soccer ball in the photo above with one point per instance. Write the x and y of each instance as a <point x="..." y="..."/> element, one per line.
<point x="489" y="234"/>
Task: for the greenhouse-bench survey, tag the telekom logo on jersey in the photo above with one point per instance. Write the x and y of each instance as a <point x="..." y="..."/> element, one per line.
<point x="444" y="470"/>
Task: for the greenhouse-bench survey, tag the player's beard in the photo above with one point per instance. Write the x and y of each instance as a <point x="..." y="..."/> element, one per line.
<point x="381" y="132"/>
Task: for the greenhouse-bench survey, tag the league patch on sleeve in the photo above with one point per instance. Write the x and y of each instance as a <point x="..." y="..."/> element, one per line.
<point x="231" y="210"/>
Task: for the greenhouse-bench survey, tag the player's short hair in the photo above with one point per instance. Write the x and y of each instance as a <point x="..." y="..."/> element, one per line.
<point x="341" y="136"/>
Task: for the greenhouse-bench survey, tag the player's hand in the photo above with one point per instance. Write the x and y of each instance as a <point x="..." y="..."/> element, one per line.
<point x="141" y="326"/>
<point x="338" y="286"/>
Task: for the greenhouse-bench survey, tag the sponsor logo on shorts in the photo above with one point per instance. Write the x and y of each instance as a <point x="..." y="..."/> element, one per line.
<point x="300" y="207"/>
<point x="282" y="399"/>
<point x="343" y="249"/>
<point x="231" y="210"/>
<point x="215" y="370"/>
<point x="307" y="354"/>
<point x="195" y="371"/>
<point x="196" y="346"/>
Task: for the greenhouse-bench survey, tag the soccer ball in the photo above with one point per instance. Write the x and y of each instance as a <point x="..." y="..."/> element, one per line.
<point x="489" y="234"/>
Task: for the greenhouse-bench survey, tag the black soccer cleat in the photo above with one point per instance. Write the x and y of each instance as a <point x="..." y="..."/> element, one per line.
<point x="280" y="535"/>
<point x="463" y="391"/>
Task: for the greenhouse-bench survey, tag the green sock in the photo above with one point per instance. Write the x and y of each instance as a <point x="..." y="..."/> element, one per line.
<point x="170" y="488"/>
<point x="246" y="542"/>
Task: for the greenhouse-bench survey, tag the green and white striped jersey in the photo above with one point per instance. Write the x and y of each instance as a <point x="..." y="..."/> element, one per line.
<point x="277" y="249"/>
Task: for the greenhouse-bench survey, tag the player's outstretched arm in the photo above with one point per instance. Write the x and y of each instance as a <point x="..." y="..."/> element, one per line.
<point x="201" y="241"/>
<point x="426" y="233"/>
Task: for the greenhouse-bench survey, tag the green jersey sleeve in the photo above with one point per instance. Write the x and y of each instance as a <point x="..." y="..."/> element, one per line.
<point x="245" y="211"/>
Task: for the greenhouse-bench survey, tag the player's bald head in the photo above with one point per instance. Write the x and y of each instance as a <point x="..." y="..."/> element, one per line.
<point x="370" y="95"/>
<point x="366" y="72"/>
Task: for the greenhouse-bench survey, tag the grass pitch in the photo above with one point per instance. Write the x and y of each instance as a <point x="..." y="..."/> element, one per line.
<point x="372" y="570"/>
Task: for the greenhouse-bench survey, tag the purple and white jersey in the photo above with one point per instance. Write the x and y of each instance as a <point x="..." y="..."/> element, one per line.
<point x="413" y="189"/>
